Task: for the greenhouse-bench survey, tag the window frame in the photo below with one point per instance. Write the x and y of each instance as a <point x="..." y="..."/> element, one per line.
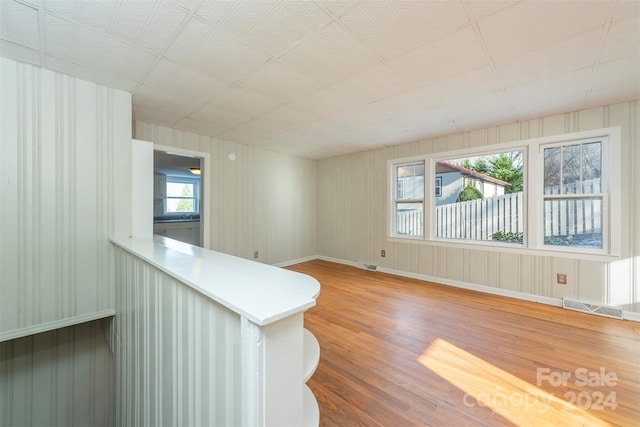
<point x="395" y="200"/>
<point x="533" y="186"/>
<point x="438" y="186"/>
<point x="604" y="185"/>
<point x="196" y="193"/>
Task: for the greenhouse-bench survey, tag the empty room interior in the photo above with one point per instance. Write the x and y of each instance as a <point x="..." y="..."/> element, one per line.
<point x="319" y="213"/>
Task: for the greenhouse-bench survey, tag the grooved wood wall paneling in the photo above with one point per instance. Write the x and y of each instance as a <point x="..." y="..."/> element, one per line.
<point x="261" y="201"/>
<point x="177" y="352"/>
<point x="65" y="170"/>
<point x="60" y="377"/>
<point x="64" y="145"/>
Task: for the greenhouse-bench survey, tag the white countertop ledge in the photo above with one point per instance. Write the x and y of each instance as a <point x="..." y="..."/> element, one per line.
<point x="262" y="293"/>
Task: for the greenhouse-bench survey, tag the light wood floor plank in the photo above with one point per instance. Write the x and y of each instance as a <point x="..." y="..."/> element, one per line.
<point x="404" y="352"/>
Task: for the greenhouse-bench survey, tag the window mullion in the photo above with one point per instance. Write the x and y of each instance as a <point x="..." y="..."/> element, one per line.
<point x="409" y="200"/>
<point x="573" y="196"/>
<point x="582" y="169"/>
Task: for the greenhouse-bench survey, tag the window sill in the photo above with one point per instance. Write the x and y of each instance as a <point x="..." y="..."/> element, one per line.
<point x="505" y="249"/>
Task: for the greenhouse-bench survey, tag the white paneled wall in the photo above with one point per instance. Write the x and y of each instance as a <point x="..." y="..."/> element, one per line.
<point x="65" y="174"/>
<point x="352" y="216"/>
<point x="177" y="351"/>
<point x="261" y="201"/>
<point x="65" y="170"/>
<point x="62" y="377"/>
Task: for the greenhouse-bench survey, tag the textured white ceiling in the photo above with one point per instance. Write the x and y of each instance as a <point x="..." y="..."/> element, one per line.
<point x="325" y="78"/>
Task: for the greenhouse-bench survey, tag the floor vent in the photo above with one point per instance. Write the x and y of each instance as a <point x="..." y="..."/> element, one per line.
<point x="600" y="310"/>
<point x="371" y="267"/>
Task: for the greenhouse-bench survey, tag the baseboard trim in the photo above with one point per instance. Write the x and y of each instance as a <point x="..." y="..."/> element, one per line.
<point x="340" y="261"/>
<point x="295" y="261"/>
<point x="464" y="285"/>
<point x="556" y="302"/>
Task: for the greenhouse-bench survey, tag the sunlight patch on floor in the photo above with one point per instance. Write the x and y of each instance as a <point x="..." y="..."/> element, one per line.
<point x="510" y="397"/>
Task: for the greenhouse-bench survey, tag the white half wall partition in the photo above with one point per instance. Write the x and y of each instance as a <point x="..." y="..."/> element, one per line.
<point x="205" y="338"/>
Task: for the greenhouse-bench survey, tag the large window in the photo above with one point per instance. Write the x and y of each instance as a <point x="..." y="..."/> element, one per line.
<point x="483" y="197"/>
<point x="182" y="196"/>
<point x="554" y="193"/>
<point x="409" y="199"/>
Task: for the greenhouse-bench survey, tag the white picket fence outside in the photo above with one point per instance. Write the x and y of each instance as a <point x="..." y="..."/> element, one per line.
<point x="410" y="223"/>
<point x="479" y="219"/>
<point x="580" y="219"/>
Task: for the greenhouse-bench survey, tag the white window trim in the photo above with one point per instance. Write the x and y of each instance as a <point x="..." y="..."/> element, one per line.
<point x="532" y="175"/>
<point x="392" y="195"/>
<point x="196" y="198"/>
<point x="606" y="192"/>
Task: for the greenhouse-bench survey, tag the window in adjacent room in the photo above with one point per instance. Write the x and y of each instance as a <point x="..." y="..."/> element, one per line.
<point x="182" y="196"/>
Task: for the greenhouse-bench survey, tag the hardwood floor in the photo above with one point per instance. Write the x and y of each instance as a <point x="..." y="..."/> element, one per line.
<point x="403" y="352"/>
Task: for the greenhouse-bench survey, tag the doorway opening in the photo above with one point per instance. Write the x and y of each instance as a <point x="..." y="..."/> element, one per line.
<point x="179" y="195"/>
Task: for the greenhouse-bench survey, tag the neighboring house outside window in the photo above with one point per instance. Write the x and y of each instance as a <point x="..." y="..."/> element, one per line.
<point x="454" y="178"/>
<point x="400" y="189"/>
<point x="438" y="186"/>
